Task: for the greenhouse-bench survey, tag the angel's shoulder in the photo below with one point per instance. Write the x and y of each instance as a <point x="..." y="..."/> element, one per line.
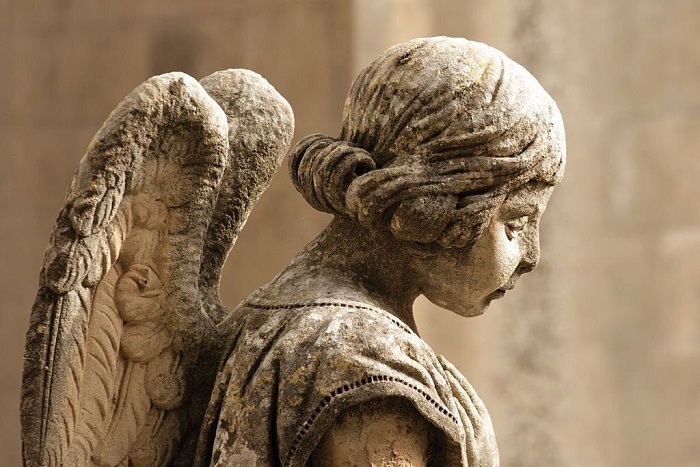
<point x="322" y="329"/>
<point x="302" y="364"/>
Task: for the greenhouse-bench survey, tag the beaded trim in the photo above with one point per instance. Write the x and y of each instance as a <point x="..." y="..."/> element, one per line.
<point x="306" y="426"/>
<point x="295" y="306"/>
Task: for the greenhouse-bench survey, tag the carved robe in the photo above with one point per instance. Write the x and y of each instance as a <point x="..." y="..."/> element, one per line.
<point x="292" y="368"/>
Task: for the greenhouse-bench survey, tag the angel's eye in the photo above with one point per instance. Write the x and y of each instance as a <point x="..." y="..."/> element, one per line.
<point x="515" y="226"/>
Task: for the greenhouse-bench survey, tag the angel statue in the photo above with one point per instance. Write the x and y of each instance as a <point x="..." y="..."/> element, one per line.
<point x="446" y="159"/>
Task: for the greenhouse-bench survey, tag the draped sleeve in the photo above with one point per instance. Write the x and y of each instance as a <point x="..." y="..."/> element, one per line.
<point x="292" y="369"/>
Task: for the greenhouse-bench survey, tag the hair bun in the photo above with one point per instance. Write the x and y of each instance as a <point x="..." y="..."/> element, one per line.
<point x="322" y="168"/>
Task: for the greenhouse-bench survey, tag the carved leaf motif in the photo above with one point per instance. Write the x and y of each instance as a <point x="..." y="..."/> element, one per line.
<point x="139" y="294"/>
<point x="142" y="342"/>
<point x="165" y="380"/>
<point x="66" y="265"/>
<point x="96" y="402"/>
<point x="111" y="336"/>
<point x="94" y="208"/>
<point x="157" y="441"/>
<point x="60" y="423"/>
<point x="130" y="417"/>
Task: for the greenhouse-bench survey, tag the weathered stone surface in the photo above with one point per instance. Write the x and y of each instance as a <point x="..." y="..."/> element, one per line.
<point x="113" y="365"/>
<point x="639" y="60"/>
<point x="448" y="154"/>
<point x="437" y="189"/>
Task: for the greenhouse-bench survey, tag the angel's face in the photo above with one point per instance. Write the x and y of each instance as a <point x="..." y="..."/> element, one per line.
<point x="466" y="280"/>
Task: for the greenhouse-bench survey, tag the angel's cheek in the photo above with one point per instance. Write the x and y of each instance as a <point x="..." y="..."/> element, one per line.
<point x="138" y="294"/>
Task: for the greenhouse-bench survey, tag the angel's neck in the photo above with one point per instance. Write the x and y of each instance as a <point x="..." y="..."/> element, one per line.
<point x="347" y="261"/>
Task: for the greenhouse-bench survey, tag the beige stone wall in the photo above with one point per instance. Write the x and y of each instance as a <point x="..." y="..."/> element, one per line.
<point x="595" y="360"/>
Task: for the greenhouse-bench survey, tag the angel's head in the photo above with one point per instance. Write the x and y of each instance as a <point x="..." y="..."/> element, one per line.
<point x="441" y="139"/>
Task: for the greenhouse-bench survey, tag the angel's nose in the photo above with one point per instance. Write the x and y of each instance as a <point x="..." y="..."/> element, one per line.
<point x="530" y="248"/>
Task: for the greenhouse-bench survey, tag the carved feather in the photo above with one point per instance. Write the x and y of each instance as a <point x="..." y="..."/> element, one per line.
<point x="66" y="372"/>
<point x="120" y="321"/>
<point x="100" y="372"/>
<point x="157" y="441"/>
<point x="129" y="419"/>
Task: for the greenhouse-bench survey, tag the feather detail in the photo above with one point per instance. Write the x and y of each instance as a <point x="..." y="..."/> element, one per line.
<point x="67" y="264"/>
<point x="93" y="209"/>
<point x="65" y="347"/>
<point x="129" y="419"/>
<point x="139" y="294"/>
<point x="157" y="441"/>
<point x="97" y="232"/>
<point x="104" y="248"/>
<point x="96" y="406"/>
<point x="261" y="126"/>
<point x="99" y="382"/>
<point x="142" y="342"/>
<point x="120" y="326"/>
<point x="165" y="380"/>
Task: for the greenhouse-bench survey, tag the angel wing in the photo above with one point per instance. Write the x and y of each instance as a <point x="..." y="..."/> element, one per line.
<point x="122" y="345"/>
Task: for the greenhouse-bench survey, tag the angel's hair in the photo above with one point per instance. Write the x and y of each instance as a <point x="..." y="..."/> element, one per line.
<point x="436" y="132"/>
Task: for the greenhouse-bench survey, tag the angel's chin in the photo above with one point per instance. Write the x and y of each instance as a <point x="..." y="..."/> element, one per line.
<point x="463" y="308"/>
<point x="469" y="310"/>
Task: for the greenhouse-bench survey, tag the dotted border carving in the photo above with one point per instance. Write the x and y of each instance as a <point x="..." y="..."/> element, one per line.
<point x="295" y="306"/>
<point x="306" y="426"/>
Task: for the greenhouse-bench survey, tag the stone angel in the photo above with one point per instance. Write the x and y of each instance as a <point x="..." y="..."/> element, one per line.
<point x="446" y="159"/>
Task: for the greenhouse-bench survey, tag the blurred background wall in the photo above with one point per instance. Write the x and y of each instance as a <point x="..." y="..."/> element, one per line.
<point x="593" y="361"/>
